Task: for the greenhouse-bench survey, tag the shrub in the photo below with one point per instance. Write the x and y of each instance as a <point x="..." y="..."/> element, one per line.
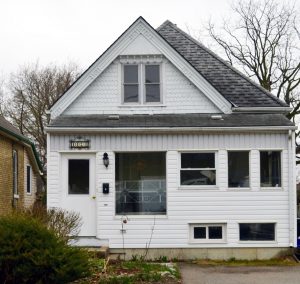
<point x="31" y="253"/>
<point x="65" y="224"/>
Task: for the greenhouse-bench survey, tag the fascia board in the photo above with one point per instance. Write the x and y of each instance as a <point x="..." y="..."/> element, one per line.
<point x="165" y="129"/>
<point x="140" y="27"/>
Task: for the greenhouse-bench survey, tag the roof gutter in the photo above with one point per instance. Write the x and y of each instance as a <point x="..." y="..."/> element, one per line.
<point x="165" y="129"/>
<point x="27" y="143"/>
<point x="262" y="109"/>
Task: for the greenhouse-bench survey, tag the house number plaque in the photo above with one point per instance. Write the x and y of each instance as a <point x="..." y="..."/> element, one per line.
<point x="79" y="144"/>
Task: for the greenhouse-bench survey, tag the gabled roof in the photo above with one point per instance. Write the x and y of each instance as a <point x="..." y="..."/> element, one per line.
<point x="232" y="84"/>
<point x="9" y="130"/>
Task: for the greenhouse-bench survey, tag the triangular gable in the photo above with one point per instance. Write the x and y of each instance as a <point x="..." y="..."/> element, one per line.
<point x="138" y="28"/>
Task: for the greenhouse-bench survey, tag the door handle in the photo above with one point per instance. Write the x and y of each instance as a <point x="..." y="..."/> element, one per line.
<point x="94" y="196"/>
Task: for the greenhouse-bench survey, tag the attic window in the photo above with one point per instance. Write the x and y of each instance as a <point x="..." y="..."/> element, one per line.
<point x="141" y="83"/>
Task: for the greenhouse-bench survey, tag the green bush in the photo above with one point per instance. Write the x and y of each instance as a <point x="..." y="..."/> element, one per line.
<point x="31" y="253"/>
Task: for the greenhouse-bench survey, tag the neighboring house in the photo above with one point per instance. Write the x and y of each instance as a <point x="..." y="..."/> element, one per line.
<point x="20" y="169"/>
<point x="161" y="143"/>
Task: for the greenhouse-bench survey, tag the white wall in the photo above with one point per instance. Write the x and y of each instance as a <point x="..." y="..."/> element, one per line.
<point x="184" y="205"/>
<point x="103" y="96"/>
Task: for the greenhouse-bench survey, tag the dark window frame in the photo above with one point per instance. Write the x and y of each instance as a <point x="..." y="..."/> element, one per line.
<point x="28" y="179"/>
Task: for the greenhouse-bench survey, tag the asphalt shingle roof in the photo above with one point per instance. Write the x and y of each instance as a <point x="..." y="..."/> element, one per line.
<point x="229" y="82"/>
<point x="170" y="120"/>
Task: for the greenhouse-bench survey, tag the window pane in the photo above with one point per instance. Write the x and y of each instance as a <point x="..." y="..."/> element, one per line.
<point x="141" y="183"/>
<point x="238" y="169"/>
<point x="131" y="93"/>
<point x="215" y="232"/>
<point x="131" y="74"/>
<point x="152" y="74"/>
<point x="28" y="179"/>
<point x="196" y="177"/>
<point x="257" y="232"/>
<point x="79" y="176"/>
<point x="199" y="232"/>
<point x="197" y="160"/>
<point x="270" y="168"/>
<point x="152" y="93"/>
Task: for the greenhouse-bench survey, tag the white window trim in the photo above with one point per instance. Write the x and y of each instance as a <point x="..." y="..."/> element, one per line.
<point x="30" y="192"/>
<point x="258" y="222"/>
<point x="246" y="188"/>
<point x="15" y="174"/>
<point x="198" y="187"/>
<point x="207" y="240"/>
<point x="142" y="62"/>
<point x="271" y="188"/>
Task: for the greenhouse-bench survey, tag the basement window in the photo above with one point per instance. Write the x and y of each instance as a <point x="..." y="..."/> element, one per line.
<point x="207" y="232"/>
<point x="257" y="231"/>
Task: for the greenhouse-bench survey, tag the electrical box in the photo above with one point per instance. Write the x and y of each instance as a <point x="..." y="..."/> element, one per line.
<point x="105" y="188"/>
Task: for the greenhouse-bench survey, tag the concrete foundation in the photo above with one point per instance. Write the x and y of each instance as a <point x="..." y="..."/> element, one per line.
<point x="201" y="253"/>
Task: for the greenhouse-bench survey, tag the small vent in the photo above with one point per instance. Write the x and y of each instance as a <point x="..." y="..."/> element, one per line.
<point x="216" y="117"/>
<point x="113" y="117"/>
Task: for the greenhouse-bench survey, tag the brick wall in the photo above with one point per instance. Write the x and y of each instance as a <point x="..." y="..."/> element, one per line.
<point x="6" y="175"/>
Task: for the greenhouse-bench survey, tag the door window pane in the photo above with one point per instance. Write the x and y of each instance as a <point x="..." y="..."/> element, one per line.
<point x="141" y="183"/>
<point x="270" y="168"/>
<point x="238" y="169"/>
<point x="257" y="232"/>
<point x="79" y="176"/>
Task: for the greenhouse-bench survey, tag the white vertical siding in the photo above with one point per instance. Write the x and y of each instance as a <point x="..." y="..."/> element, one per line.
<point x="185" y="206"/>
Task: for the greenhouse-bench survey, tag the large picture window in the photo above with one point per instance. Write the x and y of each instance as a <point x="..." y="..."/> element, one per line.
<point x="257" y="231"/>
<point x="270" y="169"/>
<point x="79" y="176"/>
<point x="141" y="183"/>
<point x="197" y="169"/>
<point x="141" y="83"/>
<point x="238" y="169"/>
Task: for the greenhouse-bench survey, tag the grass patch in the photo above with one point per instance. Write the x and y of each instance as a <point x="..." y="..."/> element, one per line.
<point x="131" y="272"/>
<point x="286" y="261"/>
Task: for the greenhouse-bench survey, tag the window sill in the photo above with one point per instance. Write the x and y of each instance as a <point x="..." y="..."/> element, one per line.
<point x="207" y="242"/>
<point x="198" y="188"/>
<point x="131" y="217"/>
<point x="28" y="193"/>
<point x="258" y="242"/>
<point x="16" y="196"/>
<point x="271" y="188"/>
<point x="239" y="189"/>
<point x="146" y="106"/>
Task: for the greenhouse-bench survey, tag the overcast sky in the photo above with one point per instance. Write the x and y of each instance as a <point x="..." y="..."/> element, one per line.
<point x="59" y="31"/>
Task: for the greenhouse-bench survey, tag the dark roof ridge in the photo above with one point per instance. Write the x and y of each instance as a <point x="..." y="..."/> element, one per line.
<point x="167" y="22"/>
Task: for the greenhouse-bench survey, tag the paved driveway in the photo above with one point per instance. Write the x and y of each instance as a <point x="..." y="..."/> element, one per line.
<point x="195" y="274"/>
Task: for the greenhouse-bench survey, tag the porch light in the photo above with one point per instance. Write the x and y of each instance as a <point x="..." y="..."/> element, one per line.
<point x="105" y="160"/>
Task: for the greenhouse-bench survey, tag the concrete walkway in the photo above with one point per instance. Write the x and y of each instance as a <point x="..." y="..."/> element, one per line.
<point x="195" y="274"/>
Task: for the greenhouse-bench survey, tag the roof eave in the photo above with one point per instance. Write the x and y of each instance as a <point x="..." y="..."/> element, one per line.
<point x="283" y="110"/>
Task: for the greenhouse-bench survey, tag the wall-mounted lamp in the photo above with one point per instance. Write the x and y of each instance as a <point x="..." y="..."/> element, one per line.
<point x="105" y="160"/>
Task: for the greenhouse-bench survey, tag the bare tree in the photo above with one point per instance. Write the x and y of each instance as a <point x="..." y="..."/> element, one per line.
<point x="32" y="91"/>
<point x="264" y="41"/>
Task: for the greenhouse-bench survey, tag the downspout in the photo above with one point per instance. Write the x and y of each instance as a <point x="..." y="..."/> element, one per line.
<point x="292" y="188"/>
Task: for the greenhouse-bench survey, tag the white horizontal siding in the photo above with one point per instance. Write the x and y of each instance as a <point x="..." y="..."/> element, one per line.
<point x="103" y="96"/>
<point x="184" y="206"/>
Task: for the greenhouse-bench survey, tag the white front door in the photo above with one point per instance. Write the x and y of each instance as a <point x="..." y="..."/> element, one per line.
<point x="79" y="194"/>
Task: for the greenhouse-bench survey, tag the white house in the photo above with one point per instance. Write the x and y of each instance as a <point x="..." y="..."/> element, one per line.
<point x="162" y="144"/>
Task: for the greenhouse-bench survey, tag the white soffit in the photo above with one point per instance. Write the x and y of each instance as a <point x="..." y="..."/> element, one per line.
<point x="134" y="32"/>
